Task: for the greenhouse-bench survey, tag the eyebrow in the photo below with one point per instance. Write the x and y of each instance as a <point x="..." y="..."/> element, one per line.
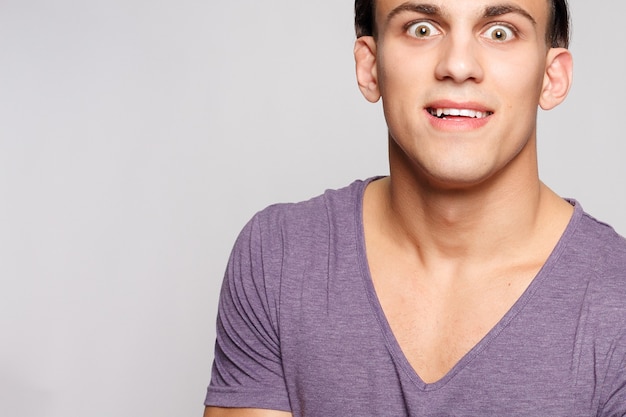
<point x="433" y="10"/>
<point x="502" y="9"/>
<point x="427" y="9"/>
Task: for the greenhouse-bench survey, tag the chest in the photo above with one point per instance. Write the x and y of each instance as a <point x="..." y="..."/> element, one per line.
<point x="436" y="324"/>
<point x="343" y="357"/>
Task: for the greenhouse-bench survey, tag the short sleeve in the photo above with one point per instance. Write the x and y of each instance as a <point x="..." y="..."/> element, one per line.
<point x="247" y="368"/>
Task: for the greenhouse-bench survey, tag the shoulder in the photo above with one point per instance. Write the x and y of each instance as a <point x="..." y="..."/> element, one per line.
<point x="597" y="256"/>
<point x="306" y="217"/>
<point x="298" y="230"/>
<point x="602" y="246"/>
<point x="592" y="263"/>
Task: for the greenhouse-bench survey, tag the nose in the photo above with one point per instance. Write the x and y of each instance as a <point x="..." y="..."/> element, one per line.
<point x="459" y="60"/>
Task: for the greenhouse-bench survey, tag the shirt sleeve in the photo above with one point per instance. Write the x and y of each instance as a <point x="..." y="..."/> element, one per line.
<point x="247" y="368"/>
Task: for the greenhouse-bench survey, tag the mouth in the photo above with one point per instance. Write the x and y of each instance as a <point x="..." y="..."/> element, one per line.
<point x="443" y="113"/>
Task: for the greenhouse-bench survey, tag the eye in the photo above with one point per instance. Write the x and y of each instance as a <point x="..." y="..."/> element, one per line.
<point x="499" y="33"/>
<point x="422" y="30"/>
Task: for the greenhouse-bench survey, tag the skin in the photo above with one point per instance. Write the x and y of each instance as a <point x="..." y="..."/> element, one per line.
<point x="243" y="412"/>
<point x="462" y="225"/>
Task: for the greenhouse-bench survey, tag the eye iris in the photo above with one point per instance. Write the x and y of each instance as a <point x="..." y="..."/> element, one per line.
<point x="498" y="35"/>
<point x="422" y="31"/>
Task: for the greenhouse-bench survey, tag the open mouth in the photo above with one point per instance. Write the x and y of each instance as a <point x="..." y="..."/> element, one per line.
<point x="442" y="113"/>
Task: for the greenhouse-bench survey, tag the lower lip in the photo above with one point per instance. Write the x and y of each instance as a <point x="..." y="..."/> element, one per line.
<point x="457" y="123"/>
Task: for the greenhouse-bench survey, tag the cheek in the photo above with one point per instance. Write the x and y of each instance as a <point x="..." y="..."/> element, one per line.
<point x="521" y="75"/>
<point x="400" y="70"/>
<point x="401" y="89"/>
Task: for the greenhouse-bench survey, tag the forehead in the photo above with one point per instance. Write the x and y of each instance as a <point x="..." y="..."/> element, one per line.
<point x="537" y="10"/>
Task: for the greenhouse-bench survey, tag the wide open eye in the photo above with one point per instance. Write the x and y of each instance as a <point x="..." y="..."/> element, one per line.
<point x="422" y="30"/>
<point x="499" y="33"/>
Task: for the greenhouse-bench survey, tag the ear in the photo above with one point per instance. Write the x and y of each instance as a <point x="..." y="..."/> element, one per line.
<point x="557" y="78"/>
<point x="366" y="74"/>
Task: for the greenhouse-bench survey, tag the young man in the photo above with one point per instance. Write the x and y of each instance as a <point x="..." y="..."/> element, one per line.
<point x="460" y="284"/>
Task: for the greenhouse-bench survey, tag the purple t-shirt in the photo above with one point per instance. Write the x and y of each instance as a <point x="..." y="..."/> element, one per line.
<point x="300" y="327"/>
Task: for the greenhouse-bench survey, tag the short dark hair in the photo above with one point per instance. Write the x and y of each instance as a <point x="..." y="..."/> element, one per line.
<point x="557" y="34"/>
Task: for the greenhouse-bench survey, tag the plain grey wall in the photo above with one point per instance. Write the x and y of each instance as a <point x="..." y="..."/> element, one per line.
<point x="136" y="139"/>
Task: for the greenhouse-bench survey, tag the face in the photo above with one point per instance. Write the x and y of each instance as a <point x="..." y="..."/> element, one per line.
<point x="460" y="83"/>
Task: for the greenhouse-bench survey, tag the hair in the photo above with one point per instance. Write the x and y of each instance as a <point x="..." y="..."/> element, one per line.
<point x="557" y="33"/>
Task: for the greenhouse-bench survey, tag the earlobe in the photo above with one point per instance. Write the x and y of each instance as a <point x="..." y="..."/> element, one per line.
<point x="366" y="75"/>
<point x="557" y="79"/>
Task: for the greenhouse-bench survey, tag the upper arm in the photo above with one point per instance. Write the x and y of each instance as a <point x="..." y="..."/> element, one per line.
<point x="243" y="412"/>
<point x="247" y="368"/>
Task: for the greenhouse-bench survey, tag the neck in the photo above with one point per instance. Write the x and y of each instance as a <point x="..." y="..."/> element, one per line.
<point x="467" y="222"/>
<point x="463" y="223"/>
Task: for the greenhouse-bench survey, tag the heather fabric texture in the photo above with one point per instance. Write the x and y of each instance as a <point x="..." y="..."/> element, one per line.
<point x="300" y="327"/>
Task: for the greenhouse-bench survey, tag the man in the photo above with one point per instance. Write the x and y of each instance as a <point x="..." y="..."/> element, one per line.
<point x="460" y="284"/>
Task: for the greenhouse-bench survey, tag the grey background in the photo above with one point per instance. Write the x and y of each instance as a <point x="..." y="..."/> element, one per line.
<point x="136" y="139"/>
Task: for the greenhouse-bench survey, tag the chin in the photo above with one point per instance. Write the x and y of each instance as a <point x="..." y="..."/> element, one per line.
<point x="457" y="179"/>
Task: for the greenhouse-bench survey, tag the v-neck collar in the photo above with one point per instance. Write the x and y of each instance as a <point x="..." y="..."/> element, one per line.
<point x="390" y="339"/>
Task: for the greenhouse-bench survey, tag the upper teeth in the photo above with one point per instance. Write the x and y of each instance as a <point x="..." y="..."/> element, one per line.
<point x="459" y="112"/>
